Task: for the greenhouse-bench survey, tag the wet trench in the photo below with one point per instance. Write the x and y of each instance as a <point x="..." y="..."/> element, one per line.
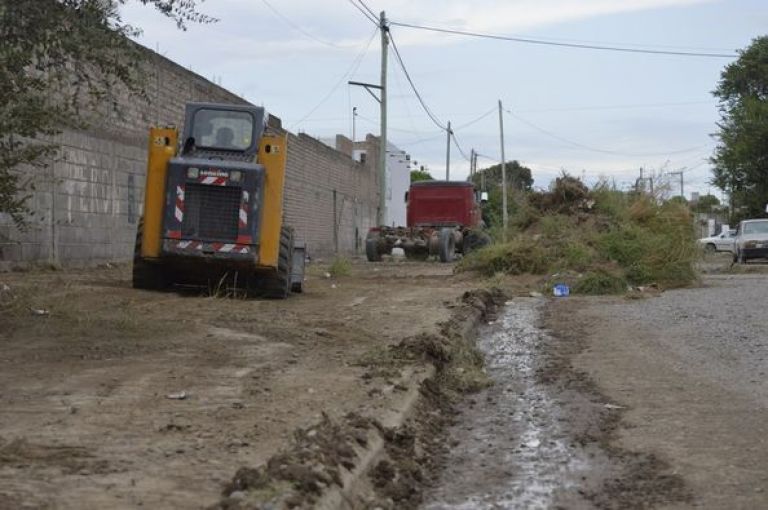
<point x="511" y="445"/>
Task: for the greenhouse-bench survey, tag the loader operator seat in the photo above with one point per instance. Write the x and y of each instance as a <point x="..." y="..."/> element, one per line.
<point x="224" y="138"/>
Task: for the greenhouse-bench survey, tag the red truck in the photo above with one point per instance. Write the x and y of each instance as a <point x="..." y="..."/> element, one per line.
<point x="444" y="218"/>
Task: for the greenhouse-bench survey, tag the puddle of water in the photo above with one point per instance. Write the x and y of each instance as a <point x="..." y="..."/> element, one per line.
<point x="511" y="448"/>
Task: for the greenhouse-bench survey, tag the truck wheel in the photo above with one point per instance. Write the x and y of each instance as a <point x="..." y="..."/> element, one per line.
<point x="474" y="241"/>
<point x="372" y="252"/>
<point x="446" y="245"/>
<point x="710" y="248"/>
<point x="742" y="258"/>
<point x="146" y="275"/>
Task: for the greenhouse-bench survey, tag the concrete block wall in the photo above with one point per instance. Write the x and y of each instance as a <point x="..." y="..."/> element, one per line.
<point x="88" y="200"/>
<point x="330" y="199"/>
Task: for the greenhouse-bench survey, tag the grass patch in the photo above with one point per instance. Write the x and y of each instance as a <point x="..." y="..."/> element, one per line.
<point x="340" y="267"/>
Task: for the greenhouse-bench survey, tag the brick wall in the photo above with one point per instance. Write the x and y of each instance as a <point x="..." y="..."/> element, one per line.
<point x="87" y="201"/>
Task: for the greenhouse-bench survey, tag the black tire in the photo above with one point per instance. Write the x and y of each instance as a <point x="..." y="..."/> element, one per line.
<point x="710" y="248"/>
<point x="446" y="245"/>
<point x="741" y="258"/>
<point x="372" y="252"/>
<point x="146" y="275"/>
<point x="278" y="285"/>
<point x="474" y="241"/>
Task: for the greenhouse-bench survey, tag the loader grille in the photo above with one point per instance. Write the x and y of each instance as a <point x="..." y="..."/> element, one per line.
<point x="211" y="212"/>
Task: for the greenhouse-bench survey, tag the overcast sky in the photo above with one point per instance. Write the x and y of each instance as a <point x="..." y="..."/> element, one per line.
<point x="592" y="113"/>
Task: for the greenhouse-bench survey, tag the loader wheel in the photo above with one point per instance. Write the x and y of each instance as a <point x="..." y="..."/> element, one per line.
<point x="372" y="252"/>
<point x="446" y="245"/>
<point x="146" y="275"/>
<point x="278" y="285"/>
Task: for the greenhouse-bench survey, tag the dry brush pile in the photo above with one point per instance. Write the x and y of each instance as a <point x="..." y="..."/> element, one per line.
<point x="601" y="241"/>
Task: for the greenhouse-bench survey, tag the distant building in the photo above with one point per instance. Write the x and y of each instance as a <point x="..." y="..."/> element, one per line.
<point x="398" y="170"/>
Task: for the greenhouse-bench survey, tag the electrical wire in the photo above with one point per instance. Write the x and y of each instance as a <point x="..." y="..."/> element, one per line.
<point x="373" y="14"/>
<point x="298" y="28"/>
<point x="542" y="42"/>
<point x="613" y="107"/>
<point x="595" y="149"/>
<point x="368" y="16"/>
<point x="355" y="65"/>
<point x="458" y="146"/>
<point x="424" y="106"/>
<point x="478" y="119"/>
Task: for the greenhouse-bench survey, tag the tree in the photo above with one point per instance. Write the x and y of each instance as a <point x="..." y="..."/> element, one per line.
<point x="741" y="157"/>
<point x="421" y="175"/>
<point x="518" y="176"/>
<point x="519" y="180"/>
<point x="706" y="203"/>
<point x="58" y="59"/>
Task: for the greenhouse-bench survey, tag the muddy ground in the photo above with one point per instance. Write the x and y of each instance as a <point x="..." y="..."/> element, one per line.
<point x="116" y="398"/>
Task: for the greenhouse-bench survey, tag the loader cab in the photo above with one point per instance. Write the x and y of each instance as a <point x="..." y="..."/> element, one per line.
<point x="215" y="131"/>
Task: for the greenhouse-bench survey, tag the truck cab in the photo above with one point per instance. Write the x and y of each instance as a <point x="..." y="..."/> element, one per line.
<point x="443" y="204"/>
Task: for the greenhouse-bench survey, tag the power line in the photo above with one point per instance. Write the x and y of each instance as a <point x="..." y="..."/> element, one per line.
<point x="368" y="16"/>
<point x="595" y="149"/>
<point x="355" y="65"/>
<point x="478" y="119"/>
<point x="542" y="42"/>
<point x="456" y="143"/>
<point x="614" y="107"/>
<point x="373" y="14"/>
<point x="424" y="106"/>
<point x="298" y="28"/>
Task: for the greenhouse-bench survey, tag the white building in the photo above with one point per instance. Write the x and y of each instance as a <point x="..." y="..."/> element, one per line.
<point x="398" y="182"/>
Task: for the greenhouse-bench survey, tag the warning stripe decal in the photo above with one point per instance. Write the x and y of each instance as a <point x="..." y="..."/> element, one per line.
<point x="213" y="181"/>
<point x="179" y="211"/>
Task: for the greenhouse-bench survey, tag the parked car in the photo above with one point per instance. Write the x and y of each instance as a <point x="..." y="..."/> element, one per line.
<point x="751" y="241"/>
<point x="722" y="242"/>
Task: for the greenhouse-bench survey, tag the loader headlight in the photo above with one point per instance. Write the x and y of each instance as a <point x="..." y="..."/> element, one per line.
<point x="235" y="176"/>
<point x="193" y="173"/>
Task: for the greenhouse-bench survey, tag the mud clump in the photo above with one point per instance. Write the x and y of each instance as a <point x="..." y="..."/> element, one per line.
<point x="296" y="477"/>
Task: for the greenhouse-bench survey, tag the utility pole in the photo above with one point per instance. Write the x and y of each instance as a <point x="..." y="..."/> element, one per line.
<point x="381" y="217"/>
<point x="448" y="153"/>
<point x="471" y="163"/>
<point x="504" y="213"/>
<point x="383" y="136"/>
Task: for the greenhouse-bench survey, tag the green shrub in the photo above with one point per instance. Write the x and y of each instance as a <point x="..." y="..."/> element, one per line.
<point x="519" y="256"/>
<point x="600" y="282"/>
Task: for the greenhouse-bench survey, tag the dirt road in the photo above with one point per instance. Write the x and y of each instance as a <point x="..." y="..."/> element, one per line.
<point x="689" y="370"/>
<point x="117" y="398"/>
